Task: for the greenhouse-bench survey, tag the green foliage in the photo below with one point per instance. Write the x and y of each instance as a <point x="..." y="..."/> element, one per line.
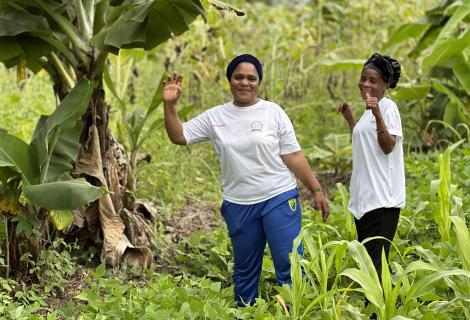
<point x="134" y="122"/>
<point x="53" y="267"/>
<point x="52" y="270"/>
<point x="43" y="166"/>
<point x="161" y="297"/>
<point x="61" y="219"/>
<point x="25" y="224"/>
<point x="463" y="239"/>
<point x="442" y="49"/>
<point x="428" y="278"/>
<point x="350" y="228"/>
<point x="126" y="20"/>
<point x="444" y="190"/>
<point x="337" y="154"/>
<point x="108" y="26"/>
<point x="207" y="255"/>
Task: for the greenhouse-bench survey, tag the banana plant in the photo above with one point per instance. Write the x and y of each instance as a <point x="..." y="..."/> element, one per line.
<point x="71" y="40"/>
<point x="41" y="169"/>
<point x="443" y="43"/>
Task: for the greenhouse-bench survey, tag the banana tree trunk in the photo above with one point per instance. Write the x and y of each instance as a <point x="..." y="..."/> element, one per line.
<point x="103" y="162"/>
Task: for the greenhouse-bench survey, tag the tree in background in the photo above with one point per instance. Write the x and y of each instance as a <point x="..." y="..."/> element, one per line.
<point x="71" y="41"/>
<point x="442" y="91"/>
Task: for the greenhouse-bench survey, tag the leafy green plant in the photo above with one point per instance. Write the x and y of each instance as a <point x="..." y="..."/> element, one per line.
<point x="443" y="40"/>
<point x="426" y="278"/>
<point x="6" y="293"/>
<point x="338" y="152"/>
<point x="444" y="189"/>
<point x="349" y="226"/>
<point x="40" y="171"/>
<point x="463" y="239"/>
<point x="134" y="123"/>
<point x="43" y="166"/>
<point x="53" y="267"/>
<point x="207" y="255"/>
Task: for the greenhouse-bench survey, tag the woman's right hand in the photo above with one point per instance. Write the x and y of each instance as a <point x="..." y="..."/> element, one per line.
<point x="346" y="110"/>
<point x="172" y="89"/>
<point x="321" y="204"/>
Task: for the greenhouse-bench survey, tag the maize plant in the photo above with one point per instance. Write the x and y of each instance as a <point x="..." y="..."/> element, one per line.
<point x="444" y="189"/>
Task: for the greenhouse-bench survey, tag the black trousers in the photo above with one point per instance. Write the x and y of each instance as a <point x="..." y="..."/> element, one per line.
<point x="381" y="222"/>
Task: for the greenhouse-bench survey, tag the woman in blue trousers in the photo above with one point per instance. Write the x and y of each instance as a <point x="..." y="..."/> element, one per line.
<point x="260" y="157"/>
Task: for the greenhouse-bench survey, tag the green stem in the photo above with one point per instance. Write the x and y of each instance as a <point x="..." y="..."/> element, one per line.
<point x="7" y="244"/>
<point x="51" y="147"/>
<point x="83" y="20"/>
<point x="320" y="21"/>
<point x="118" y="75"/>
<point x="90" y="12"/>
<point x="99" y="65"/>
<point x="68" y="54"/>
<point x="67" y="27"/>
<point x="446" y="125"/>
<point x="59" y="66"/>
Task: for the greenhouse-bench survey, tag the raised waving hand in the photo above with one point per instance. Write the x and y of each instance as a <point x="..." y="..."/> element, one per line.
<point x="172" y="89"/>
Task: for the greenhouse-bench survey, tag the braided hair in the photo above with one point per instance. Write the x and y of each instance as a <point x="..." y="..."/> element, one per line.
<point x="388" y="68"/>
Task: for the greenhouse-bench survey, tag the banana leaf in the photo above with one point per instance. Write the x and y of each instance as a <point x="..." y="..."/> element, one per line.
<point x="55" y="146"/>
<point x="62" y="195"/>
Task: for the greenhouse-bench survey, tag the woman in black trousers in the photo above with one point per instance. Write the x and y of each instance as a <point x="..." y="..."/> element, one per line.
<point x="377" y="185"/>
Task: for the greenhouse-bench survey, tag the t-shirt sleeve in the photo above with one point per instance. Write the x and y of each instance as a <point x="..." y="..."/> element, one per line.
<point x="287" y="139"/>
<point x="197" y="129"/>
<point x="392" y="120"/>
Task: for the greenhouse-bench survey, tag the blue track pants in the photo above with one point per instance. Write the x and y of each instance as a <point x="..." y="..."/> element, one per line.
<point x="276" y="220"/>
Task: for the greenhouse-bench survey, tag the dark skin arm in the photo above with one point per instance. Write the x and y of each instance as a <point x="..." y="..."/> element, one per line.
<point x="385" y="139"/>
<point x="171" y="93"/>
<point x="346" y="111"/>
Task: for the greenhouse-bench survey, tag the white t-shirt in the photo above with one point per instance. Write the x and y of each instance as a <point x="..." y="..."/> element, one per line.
<point x="378" y="179"/>
<point x="249" y="142"/>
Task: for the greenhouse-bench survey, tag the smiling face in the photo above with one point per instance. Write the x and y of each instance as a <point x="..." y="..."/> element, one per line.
<point x="244" y="85"/>
<point x="372" y="82"/>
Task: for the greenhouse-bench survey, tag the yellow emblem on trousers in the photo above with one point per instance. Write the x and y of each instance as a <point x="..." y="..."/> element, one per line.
<point x="293" y="204"/>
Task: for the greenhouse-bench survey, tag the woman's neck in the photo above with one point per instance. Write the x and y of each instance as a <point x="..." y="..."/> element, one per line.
<point x="246" y="104"/>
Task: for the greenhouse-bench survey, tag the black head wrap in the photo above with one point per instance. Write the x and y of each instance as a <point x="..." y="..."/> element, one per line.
<point x="388" y="68"/>
<point x="244" y="58"/>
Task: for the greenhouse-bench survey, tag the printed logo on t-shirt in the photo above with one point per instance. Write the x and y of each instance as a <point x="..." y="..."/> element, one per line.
<point x="256" y="126"/>
<point x="293" y="204"/>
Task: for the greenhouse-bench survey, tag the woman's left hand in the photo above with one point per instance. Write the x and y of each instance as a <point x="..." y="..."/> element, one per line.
<point x="321" y="204"/>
